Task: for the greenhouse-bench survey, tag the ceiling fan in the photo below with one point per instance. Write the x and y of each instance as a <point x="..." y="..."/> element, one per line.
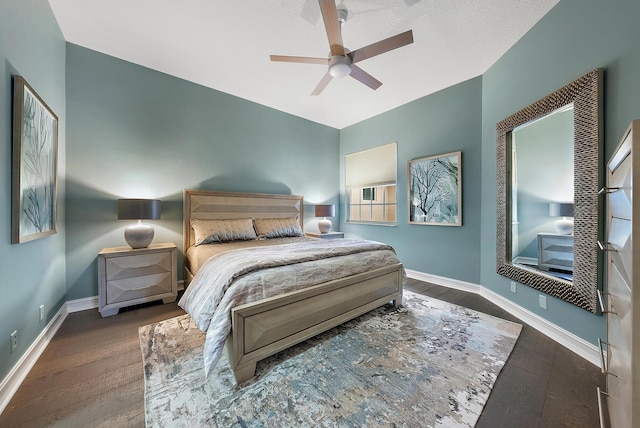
<point x="342" y="62"/>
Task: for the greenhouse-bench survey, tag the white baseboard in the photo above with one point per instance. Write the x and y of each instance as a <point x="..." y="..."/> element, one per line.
<point x="526" y="261"/>
<point x="445" y="282"/>
<point x="19" y="372"/>
<point x="82" y="304"/>
<point x="586" y="350"/>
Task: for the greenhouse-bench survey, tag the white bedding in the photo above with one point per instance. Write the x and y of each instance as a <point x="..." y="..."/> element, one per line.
<point x="246" y="275"/>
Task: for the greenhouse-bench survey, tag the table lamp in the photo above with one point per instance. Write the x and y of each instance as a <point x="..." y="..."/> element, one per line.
<point x="564" y="225"/>
<point x="138" y="235"/>
<point x="325" y="211"/>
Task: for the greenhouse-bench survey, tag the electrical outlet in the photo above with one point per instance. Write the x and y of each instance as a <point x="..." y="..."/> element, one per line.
<point x="513" y="286"/>
<point x="542" y="301"/>
<point x="41" y="312"/>
<point x="14" y="341"/>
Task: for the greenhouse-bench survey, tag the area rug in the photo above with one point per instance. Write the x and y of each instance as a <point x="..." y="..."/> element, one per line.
<point x="426" y="364"/>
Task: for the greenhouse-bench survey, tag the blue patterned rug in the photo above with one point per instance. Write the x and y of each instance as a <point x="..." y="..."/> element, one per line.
<point x="427" y="364"/>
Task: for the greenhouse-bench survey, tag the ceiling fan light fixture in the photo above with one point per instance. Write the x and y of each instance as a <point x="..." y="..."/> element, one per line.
<point x="340" y="66"/>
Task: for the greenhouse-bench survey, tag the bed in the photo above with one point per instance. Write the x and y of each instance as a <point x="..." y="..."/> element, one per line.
<point x="356" y="277"/>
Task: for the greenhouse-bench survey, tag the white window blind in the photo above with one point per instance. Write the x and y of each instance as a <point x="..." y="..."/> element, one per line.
<point x="373" y="167"/>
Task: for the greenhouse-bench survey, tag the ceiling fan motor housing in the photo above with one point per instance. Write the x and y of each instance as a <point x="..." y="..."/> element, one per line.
<point x="339" y="65"/>
<point x="342" y="15"/>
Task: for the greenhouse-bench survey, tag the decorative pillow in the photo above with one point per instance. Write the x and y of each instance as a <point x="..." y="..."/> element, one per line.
<point x="277" y="227"/>
<point x="208" y="231"/>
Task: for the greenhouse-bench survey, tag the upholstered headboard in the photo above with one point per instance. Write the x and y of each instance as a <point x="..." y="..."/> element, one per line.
<point x="210" y="205"/>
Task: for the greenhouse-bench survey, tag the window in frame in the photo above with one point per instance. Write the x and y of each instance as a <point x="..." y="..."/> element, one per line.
<point x="371" y="195"/>
<point x="372" y="204"/>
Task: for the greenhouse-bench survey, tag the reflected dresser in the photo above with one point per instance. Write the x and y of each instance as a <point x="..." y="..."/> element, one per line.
<point x="555" y="251"/>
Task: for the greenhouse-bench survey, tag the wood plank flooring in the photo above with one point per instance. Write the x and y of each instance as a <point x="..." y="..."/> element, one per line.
<point x="91" y="374"/>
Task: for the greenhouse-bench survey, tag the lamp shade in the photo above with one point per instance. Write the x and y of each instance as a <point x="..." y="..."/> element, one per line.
<point x="138" y="209"/>
<point x="325" y="210"/>
<point x="561" y="209"/>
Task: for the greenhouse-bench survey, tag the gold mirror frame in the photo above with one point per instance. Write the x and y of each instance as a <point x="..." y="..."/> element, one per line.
<point x="586" y="95"/>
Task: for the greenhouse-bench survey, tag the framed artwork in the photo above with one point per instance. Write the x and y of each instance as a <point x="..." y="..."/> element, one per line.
<point x="34" y="167"/>
<point x="435" y="190"/>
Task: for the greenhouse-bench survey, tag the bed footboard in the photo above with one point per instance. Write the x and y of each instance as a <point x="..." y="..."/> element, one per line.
<point x="263" y="328"/>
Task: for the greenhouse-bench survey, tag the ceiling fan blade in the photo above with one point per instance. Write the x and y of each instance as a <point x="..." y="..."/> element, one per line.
<point x="323" y="84"/>
<point x="302" y="59"/>
<point x="364" y="77"/>
<point x="382" y="46"/>
<point x="332" y="26"/>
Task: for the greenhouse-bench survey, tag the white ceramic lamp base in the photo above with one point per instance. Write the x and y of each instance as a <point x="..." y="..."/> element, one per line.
<point x="564" y="226"/>
<point x="139" y="235"/>
<point x="324" y="226"/>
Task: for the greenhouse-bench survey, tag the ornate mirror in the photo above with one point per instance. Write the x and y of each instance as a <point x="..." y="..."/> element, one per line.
<point x="547" y="225"/>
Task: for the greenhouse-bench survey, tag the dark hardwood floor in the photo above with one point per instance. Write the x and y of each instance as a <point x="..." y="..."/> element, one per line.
<point x="91" y="374"/>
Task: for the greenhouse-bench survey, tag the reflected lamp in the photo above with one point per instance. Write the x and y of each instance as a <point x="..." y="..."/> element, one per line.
<point x="564" y="225"/>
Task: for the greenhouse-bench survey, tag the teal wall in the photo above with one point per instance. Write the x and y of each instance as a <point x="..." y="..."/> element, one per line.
<point x="135" y="132"/>
<point x="447" y="121"/>
<point x="33" y="273"/>
<point x="574" y="38"/>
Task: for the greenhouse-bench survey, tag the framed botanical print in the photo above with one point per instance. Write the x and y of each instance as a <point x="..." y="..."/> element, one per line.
<point x="435" y="190"/>
<point x="34" y="165"/>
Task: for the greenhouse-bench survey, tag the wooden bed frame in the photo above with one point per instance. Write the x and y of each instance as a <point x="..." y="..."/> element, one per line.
<point x="263" y="328"/>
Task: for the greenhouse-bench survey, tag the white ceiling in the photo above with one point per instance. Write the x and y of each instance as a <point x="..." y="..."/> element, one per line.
<point x="225" y="45"/>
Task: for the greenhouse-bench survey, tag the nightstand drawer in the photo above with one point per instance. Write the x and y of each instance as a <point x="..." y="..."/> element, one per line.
<point x="138" y="265"/>
<point x="122" y="290"/>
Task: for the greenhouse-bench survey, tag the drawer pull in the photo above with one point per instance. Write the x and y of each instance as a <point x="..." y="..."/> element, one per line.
<point x="600" y="411"/>
<point x="603" y="367"/>
<point x="606" y="246"/>
<point x="600" y="301"/>
<point x="608" y="190"/>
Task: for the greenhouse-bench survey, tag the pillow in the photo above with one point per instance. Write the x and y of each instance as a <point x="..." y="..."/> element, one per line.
<point x="277" y="227"/>
<point x="208" y="231"/>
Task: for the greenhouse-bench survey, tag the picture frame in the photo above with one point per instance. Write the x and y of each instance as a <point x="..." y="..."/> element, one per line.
<point x="34" y="165"/>
<point x="435" y="190"/>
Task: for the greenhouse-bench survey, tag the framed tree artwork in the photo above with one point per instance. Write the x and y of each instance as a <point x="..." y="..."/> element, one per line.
<point x="34" y="165"/>
<point x="435" y="190"/>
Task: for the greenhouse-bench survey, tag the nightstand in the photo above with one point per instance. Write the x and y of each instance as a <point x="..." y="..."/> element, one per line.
<point x="328" y="235"/>
<point x="129" y="277"/>
<point x="555" y="251"/>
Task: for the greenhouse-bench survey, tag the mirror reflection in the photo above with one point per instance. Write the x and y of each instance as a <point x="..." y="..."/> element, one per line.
<point x="542" y="193"/>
